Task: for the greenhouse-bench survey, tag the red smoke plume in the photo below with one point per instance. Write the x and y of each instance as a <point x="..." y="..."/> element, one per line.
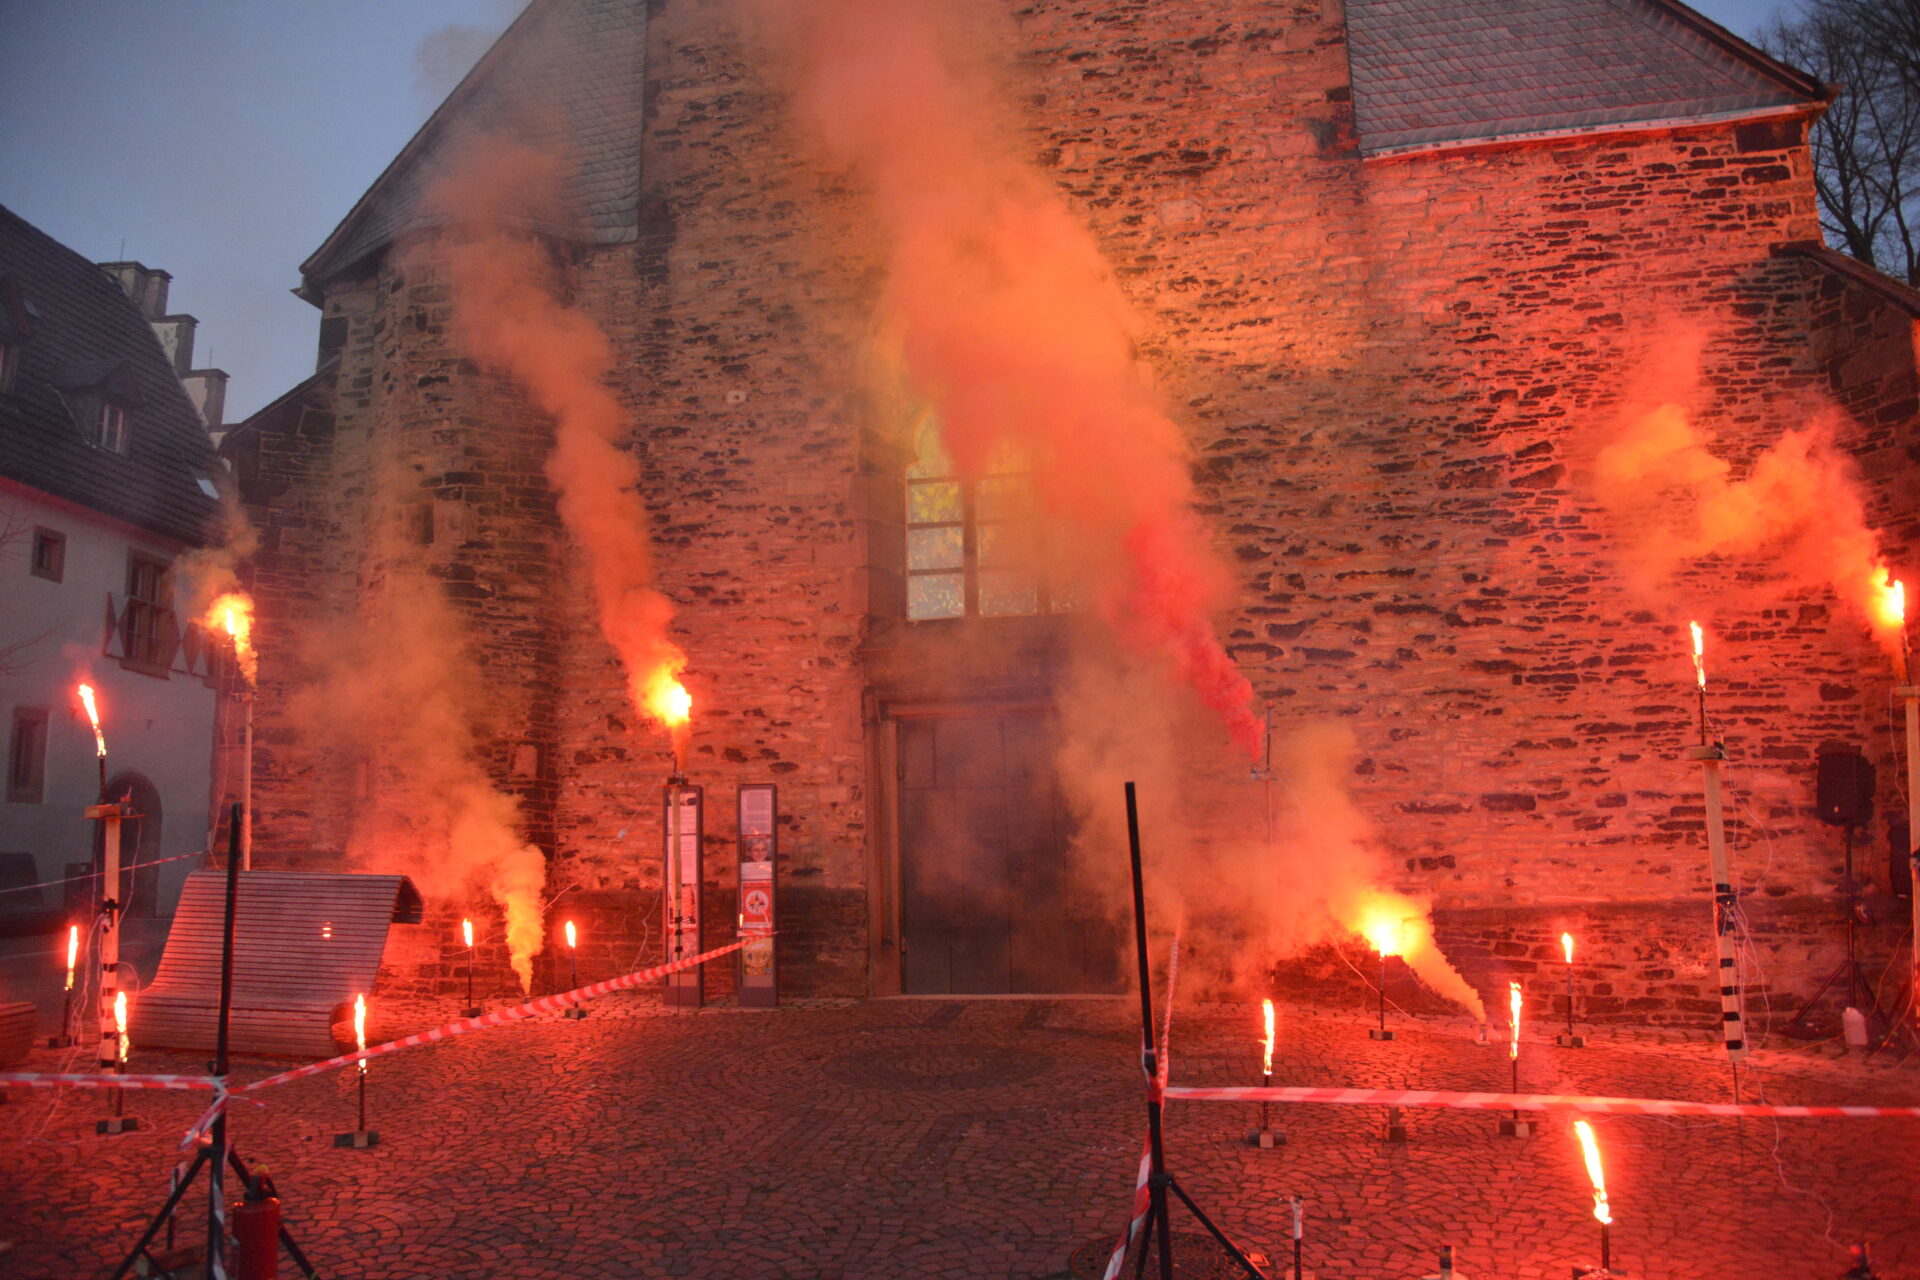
<point x="508" y="313"/>
<point x="1799" y="509"/>
<point x="1014" y="328"/>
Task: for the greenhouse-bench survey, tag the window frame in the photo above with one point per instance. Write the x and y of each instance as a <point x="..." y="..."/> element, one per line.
<point x="971" y="568"/>
<point x="51" y="539"/>
<point x="146" y="644"/>
<point x="112" y="429"/>
<point x="29" y="729"/>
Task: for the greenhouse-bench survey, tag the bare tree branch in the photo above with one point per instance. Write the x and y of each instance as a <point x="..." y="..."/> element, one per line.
<point x="1866" y="148"/>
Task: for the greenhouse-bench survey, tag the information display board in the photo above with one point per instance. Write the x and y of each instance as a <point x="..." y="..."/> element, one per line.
<point x="682" y="899"/>
<point x="759" y="806"/>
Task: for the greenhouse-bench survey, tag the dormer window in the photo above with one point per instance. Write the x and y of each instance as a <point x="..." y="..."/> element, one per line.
<point x="111" y="427"/>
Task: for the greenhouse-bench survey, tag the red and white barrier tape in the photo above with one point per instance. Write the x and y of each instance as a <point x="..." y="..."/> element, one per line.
<point x="1525" y="1102"/>
<point x="1141" y="1201"/>
<point x="500" y="1017"/>
<point x="105" y="1080"/>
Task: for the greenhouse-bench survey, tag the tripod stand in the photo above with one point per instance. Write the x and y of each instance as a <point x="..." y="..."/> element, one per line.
<point x="1849" y="970"/>
<point x="218" y="1153"/>
<point x="1159" y="1180"/>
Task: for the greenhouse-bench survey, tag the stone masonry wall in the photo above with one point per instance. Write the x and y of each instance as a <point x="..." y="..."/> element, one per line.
<point x="1394" y="374"/>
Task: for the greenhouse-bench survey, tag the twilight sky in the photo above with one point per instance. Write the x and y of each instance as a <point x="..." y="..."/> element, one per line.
<point x="221" y="140"/>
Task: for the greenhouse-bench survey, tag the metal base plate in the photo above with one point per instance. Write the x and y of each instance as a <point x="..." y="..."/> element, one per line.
<point x="1511" y="1128"/>
<point x="1375" y="1033"/>
<point x="358" y="1139"/>
<point x="1566" y="1041"/>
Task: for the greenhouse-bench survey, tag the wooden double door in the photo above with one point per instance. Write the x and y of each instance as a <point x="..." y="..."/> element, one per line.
<point x="989" y="904"/>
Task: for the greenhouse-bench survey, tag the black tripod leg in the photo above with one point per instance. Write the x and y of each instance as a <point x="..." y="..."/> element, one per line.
<point x="1166" y="1229"/>
<point x="160" y="1218"/>
<point x="286" y="1237"/>
<point x="1232" y="1248"/>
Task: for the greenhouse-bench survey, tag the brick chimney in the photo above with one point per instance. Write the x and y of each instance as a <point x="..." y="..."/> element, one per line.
<point x="207" y="388"/>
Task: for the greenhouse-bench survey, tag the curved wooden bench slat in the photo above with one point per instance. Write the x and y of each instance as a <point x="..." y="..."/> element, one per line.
<point x="304" y="944"/>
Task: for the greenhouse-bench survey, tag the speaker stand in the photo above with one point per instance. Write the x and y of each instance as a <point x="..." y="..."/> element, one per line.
<point x="1860" y="994"/>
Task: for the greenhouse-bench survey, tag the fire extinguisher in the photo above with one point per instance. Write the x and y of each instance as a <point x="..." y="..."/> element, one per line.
<point x="256" y="1232"/>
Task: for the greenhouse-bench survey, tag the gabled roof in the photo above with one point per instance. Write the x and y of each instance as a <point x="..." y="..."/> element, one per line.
<point x="88" y="335"/>
<point x="568" y="75"/>
<point x="1432" y="73"/>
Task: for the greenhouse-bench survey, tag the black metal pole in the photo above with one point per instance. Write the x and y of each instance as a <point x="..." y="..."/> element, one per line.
<point x="1149" y="1054"/>
<point x="1606" y="1250"/>
<point x="217" y="1154"/>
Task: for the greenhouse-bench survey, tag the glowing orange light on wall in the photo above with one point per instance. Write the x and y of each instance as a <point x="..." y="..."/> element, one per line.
<point x="1602" y="1212"/>
<point x="1266" y="1057"/>
<point x="93" y="716"/>
<point x="233" y="614"/>
<point x="1383" y="935"/>
<point x="668" y="700"/>
<point x="1513" y="1004"/>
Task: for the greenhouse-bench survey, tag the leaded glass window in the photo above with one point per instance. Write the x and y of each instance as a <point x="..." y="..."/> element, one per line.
<point x="973" y="546"/>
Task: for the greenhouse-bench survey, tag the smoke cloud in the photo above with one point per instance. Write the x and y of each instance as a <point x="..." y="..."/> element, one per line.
<point x="508" y="313"/>
<point x="1013" y="327"/>
<point x="1798" y="514"/>
<point x="397" y="691"/>
<point x="1010" y="323"/>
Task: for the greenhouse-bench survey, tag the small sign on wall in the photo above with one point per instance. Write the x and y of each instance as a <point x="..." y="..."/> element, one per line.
<point x="759" y="806"/>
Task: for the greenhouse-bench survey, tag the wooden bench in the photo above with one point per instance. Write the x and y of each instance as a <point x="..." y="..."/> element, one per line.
<point x="304" y="944"/>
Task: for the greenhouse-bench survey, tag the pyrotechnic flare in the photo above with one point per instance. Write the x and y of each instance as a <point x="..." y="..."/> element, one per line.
<point x="99" y="738"/>
<point x="573" y="977"/>
<point x="1383" y="935"/>
<point x="120" y="1025"/>
<point x="1265" y="1136"/>
<point x="1566" y="947"/>
<point x="1513" y="1015"/>
<point x="360" y="1030"/>
<point x="1726" y="905"/>
<point x="1700" y="673"/>
<point x="1602" y="1211"/>
<point x="233" y="614"/>
<point x="466" y="933"/>
<point x="93" y="716"/>
<point x="73" y="951"/>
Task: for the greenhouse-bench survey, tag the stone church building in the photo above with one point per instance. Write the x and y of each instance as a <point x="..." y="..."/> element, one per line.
<point x="1396" y="263"/>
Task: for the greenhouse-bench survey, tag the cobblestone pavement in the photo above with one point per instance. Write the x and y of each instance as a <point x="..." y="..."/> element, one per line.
<point x="906" y="1138"/>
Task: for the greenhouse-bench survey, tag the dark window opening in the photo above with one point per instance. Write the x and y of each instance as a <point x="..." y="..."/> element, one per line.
<point x="27" y="756"/>
<point x="146" y="628"/>
<point x="110" y="428"/>
<point x="49" y="559"/>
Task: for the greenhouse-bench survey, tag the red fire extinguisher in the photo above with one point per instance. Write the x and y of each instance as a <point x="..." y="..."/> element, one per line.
<point x="256" y="1233"/>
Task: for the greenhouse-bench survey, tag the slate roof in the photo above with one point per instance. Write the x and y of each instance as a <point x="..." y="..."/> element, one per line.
<point x="567" y="73"/>
<point x="82" y="329"/>
<point x="1431" y="72"/>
